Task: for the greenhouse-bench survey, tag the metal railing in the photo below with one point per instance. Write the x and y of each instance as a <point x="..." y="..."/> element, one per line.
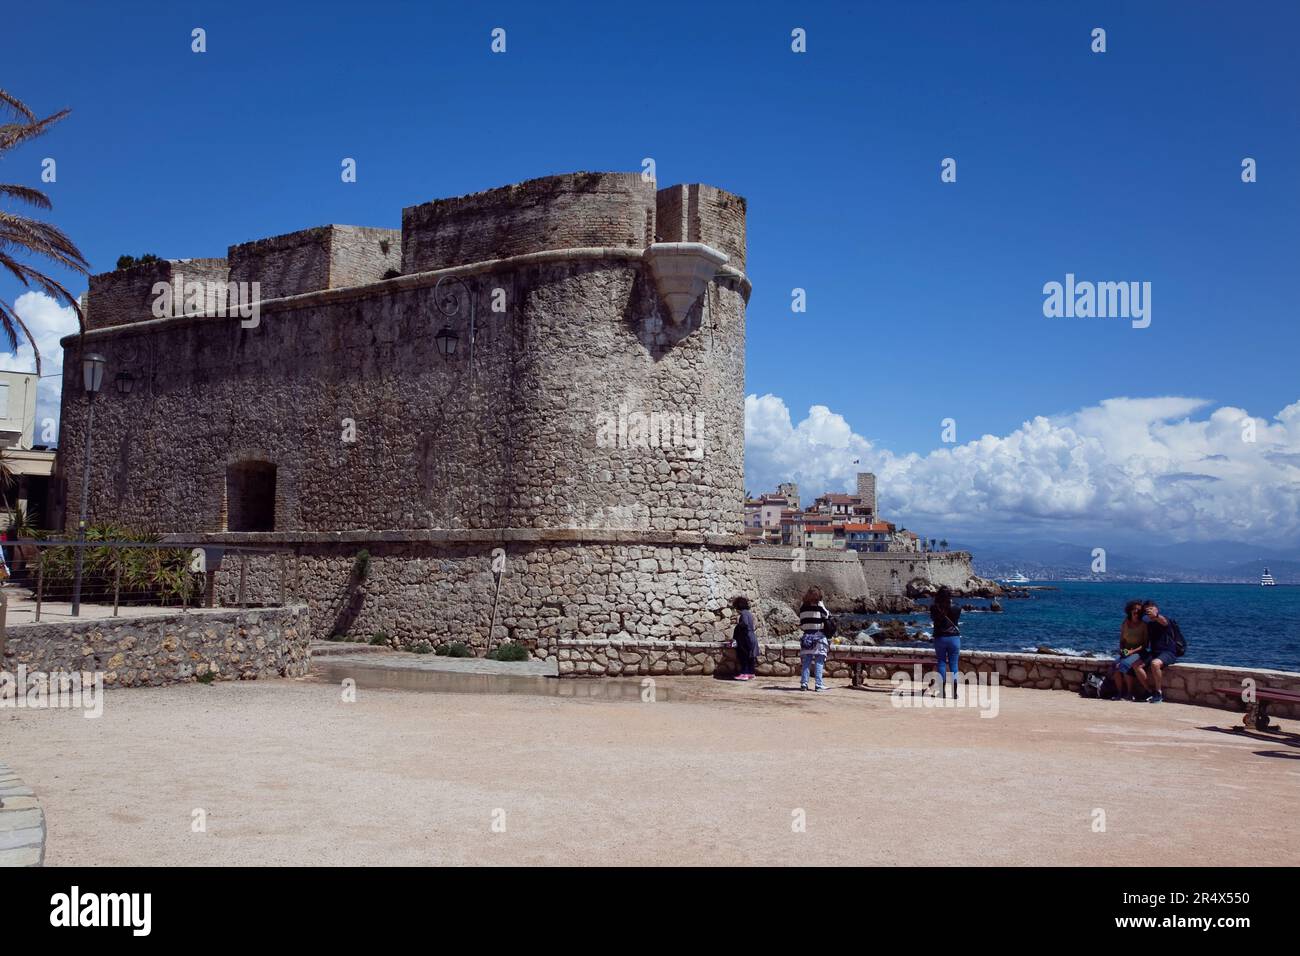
<point x="198" y="585"/>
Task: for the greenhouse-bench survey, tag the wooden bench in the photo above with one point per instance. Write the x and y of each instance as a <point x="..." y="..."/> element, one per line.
<point x="1257" y="710"/>
<point x="859" y="661"/>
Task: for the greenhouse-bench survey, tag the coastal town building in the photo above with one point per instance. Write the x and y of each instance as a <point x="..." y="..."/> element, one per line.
<point x="869" y="536"/>
<point x="27" y="462"/>
<point x="834" y="520"/>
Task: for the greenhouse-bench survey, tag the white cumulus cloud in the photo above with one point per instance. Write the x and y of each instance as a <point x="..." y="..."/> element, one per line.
<point x="48" y="322"/>
<point x="1174" y="467"/>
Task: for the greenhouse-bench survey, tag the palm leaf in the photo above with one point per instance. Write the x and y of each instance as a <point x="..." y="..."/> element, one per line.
<point x="24" y="236"/>
<point x="16" y="105"/>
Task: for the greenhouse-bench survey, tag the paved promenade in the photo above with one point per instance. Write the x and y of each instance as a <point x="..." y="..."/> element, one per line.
<point x="702" y="771"/>
<point x="22" y="823"/>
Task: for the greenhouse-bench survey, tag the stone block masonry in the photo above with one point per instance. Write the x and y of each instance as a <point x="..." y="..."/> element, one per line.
<point x="901" y="572"/>
<point x="127" y="295"/>
<point x="342" y="413"/>
<point x="440" y="587"/>
<point x="583" y="210"/>
<point x="178" y="648"/>
<point x="838" y="573"/>
<point x="327" y="257"/>
<point x="22" y="823"/>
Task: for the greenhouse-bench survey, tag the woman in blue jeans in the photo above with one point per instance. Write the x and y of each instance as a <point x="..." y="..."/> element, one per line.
<point x="947" y="638"/>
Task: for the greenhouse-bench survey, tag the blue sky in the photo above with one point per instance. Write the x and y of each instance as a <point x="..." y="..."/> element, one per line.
<point x="924" y="298"/>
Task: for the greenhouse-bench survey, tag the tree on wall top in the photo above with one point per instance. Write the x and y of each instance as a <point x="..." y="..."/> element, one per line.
<point x="127" y="261"/>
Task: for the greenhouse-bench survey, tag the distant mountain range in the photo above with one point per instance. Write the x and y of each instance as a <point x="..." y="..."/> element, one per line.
<point x="1226" y="562"/>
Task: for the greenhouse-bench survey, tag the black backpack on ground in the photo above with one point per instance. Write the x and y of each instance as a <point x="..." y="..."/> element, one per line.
<point x="1094" y="685"/>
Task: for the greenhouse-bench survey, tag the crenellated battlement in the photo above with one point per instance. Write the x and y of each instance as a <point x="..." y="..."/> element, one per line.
<point x="564" y="212"/>
<point x="327" y="257"/>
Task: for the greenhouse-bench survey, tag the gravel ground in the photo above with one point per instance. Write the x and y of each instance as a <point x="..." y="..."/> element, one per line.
<point x="284" y="771"/>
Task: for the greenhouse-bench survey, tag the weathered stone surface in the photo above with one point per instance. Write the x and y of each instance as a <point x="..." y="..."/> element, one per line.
<point x="22" y="824"/>
<point x="1041" y="671"/>
<point x="523" y="438"/>
<point x="166" y="649"/>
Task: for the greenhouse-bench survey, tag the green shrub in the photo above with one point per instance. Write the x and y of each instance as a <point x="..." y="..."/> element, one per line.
<point x="441" y="650"/>
<point x="457" y="649"/>
<point x="145" y="575"/>
<point x="510" y="651"/>
<point x="422" y="649"/>
<point x="127" y="261"/>
<point x="207" y="678"/>
<point x="380" y="638"/>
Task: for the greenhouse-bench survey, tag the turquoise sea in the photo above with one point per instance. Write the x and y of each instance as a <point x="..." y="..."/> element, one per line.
<point x="1239" y="624"/>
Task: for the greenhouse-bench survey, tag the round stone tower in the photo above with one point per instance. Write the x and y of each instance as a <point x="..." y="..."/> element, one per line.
<point x="541" y="410"/>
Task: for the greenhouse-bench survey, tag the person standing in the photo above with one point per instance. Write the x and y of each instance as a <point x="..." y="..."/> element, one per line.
<point x="947" y="638"/>
<point x="813" y="645"/>
<point x="746" y="639"/>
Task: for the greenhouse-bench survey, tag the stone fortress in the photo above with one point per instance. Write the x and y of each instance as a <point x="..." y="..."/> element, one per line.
<point x="488" y="404"/>
<point x="433" y="397"/>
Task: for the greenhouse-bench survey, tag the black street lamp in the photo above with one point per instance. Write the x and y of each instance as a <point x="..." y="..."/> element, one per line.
<point x="92" y="372"/>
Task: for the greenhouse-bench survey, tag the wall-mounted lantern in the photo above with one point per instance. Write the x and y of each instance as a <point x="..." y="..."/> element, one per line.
<point x="446" y="340"/>
<point x="125" y="382"/>
<point x="448" y="302"/>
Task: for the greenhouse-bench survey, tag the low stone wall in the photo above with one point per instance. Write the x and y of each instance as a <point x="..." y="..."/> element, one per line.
<point x="22" y="823"/>
<point x="176" y="648"/>
<point x="1184" y="683"/>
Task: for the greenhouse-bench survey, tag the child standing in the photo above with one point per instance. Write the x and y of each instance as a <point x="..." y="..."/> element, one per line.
<point x="813" y="645"/>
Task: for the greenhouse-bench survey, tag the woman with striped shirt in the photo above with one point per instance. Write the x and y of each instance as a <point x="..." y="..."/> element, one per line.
<point x="813" y="646"/>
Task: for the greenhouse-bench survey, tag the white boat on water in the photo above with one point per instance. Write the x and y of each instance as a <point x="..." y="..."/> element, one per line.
<point x="1017" y="578"/>
<point x="1267" y="580"/>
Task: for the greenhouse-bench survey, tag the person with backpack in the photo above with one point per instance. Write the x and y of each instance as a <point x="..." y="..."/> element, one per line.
<point x="947" y="638"/>
<point x="1165" y="645"/>
<point x="746" y="637"/>
<point x="817" y="625"/>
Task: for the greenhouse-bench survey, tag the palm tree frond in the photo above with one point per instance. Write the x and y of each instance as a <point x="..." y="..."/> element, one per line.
<point x="13" y="134"/>
<point x="10" y="325"/>
<point x="23" y="235"/>
<point x="33" y="197"/>
<point x="17" y="106"/>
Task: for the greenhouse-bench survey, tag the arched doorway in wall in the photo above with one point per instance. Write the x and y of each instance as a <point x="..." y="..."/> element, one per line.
<point x="250" y="496"/>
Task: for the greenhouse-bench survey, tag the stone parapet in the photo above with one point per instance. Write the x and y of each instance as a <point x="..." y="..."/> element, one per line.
<point x="178" y="648"/>
<point x="126" y="297"/>
<point x="1184" y="682"/>
<point x="553" y="212"/>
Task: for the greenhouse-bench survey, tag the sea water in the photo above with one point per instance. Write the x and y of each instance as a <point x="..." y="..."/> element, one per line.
<point x="1236" y="624"/>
